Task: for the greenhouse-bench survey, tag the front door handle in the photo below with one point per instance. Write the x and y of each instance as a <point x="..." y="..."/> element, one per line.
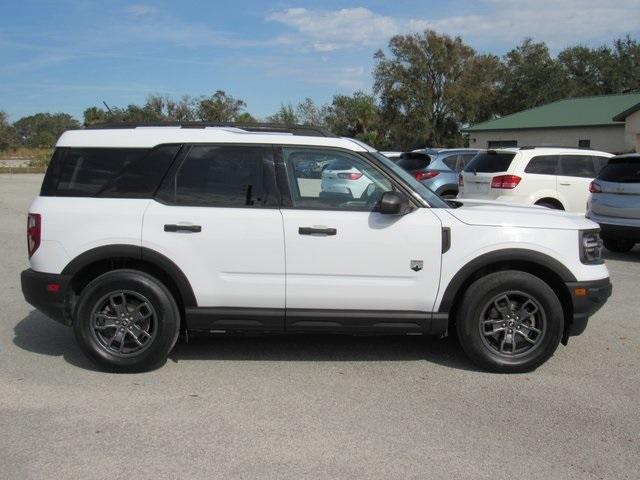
<point x="182" y="228"/>
<point x="566" y="184"/>
<point x="316" y="231"/>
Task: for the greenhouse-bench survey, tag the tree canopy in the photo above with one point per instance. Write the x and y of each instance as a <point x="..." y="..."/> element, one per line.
<point x="426" y="86"/>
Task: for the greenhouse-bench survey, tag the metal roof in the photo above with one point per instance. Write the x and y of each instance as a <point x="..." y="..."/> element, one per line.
<point x="602" y="110"/>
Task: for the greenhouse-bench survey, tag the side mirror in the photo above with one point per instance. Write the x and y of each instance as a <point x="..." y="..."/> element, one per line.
<point x="393" y="203"/>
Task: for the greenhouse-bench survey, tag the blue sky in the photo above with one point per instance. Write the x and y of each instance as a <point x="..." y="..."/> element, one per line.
<point x="63" y="56"/>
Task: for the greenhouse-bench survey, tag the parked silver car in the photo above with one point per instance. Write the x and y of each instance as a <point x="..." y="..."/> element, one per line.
<point x="441" y="173"/>
<point x="615" y="202"/>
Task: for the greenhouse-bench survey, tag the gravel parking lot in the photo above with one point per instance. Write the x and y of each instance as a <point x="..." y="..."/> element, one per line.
<point x="312" y="406"/>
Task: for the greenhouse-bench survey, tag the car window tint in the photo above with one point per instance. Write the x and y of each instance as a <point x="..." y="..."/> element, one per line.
<point x="622" y="171"/>
<point x="411" y="161"/>
<point x="451" y="161"/>
<point x="490" y="162"/>
<point x="543" y="165"/>
<point x="601" y="162"/>
<point x="465" y="159"/>
<point x="85" y="172"/>
<point x="219" y="176"/>
<point x="343" y="181"/>
<point x="577" y="166"/>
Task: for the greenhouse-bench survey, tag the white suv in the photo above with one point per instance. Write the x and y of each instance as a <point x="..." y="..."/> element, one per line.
<point x="139" y="234"/>
<point x="548" y="176"/>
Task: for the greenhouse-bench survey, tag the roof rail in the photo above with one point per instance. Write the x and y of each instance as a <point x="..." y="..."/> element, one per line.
<point x="303" y="130"/>
<point x="532" y="147"/>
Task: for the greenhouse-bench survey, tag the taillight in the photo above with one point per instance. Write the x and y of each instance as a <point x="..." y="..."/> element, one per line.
<point x="424" y="174"/>
<point x="505" y="181"/>
<point x="594" y="187"/>
<point x="460" y="180"/>
<point x="350" y="176"/>
<point x="33" y="233"/>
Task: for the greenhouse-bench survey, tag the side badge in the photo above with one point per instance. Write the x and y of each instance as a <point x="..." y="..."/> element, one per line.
<point x="416" y="265"/>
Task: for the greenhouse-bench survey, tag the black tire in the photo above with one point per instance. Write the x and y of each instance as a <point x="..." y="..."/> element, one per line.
<point x="151" y="308"/>
<point x="449" y="195"/>
<point x="475" y="327"/>
<point x="618" y="245"/>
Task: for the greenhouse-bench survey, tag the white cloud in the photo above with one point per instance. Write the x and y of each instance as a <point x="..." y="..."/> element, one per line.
<point x="140" y="9"/>
<point x="328" y="30"/>
<point x="494" y="22"/>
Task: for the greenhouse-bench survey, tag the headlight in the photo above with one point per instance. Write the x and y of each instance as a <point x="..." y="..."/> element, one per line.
<point x="590" y="247"/>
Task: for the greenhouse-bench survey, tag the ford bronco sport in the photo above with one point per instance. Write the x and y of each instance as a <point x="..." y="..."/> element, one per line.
<point x="143" y="232"/>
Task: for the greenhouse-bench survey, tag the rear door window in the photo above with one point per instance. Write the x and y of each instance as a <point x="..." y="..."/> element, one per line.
<point x="582" y="166"/>
<point x="544" y="165"/>
<point x="490" y="162"/>
<point x="220" y="176"/>
<point x="621" y="171"/>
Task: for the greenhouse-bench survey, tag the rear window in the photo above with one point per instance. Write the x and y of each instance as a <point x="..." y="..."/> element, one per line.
<point x="490" y="162"/>
<point x="414" y="161"/>
<point x="622" y="171"/>
<point x="107" y="172"/>
<point x="339" y="164"/>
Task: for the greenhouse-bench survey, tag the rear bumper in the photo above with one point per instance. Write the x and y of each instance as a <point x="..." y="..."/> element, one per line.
<point x="39" y="290"/>
<point x="587" y="298"/>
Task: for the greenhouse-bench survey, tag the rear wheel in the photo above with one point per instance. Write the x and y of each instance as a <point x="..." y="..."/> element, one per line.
<point x="510" y="322"/>
<point x="126" y="321"/>
<point x="618" y="245"/>
<point x="550" y="203"/>
<point x="449" y="195"/>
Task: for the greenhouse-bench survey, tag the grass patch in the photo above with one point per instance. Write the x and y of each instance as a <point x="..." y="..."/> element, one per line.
<point x="37" y="157"/>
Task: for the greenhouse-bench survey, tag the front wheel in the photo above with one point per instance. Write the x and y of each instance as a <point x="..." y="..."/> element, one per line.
<point x="126" y="321"/>
<point x="509" y="322"/>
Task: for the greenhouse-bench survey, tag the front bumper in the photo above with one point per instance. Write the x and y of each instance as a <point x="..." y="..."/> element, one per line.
<point x="587" y="298"/>
<point x="47" y="293"/>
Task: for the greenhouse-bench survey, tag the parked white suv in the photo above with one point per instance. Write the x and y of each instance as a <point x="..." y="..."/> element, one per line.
<point x="139" y="234"/>
<point x="553" y="177"/>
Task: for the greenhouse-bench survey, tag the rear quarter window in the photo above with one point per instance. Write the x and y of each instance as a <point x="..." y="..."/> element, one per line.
<point x="107" y="172"/>
<point x="625" y="171"/>
<point x="490" y="162"/>
<point x="582" y="166"/>
<point x="544" y="165"/>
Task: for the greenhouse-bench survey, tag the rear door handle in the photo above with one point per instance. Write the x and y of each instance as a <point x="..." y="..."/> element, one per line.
<point x="316" y="231"/>
<point x="566" y="184"/>
<point x="182" y="228"/>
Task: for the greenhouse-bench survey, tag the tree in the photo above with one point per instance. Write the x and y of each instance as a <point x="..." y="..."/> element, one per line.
<point x="422" y="88"/>
<point x="43" y="129"/>
<point x="245" y="117"/>
<point x="285" y="115"/>
<point x="585" y="70"/>
<point x="530" y="78"/>
<point x="7" y="132"/>
<point x="309" y="113"/>
<point x="220" y="107"/>
<point x="356" y="116"/>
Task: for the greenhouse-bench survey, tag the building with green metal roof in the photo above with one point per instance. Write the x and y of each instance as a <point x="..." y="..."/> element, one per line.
<point x="606" y="122"/>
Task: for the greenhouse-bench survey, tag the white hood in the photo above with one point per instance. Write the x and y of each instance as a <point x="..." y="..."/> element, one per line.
<point x="501" y="214"/>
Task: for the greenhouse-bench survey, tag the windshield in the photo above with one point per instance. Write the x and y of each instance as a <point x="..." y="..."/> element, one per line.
<point x="427" y="195"/>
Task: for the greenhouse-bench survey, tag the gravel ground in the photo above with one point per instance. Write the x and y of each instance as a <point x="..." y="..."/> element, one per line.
<point x="312" y="406"/>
